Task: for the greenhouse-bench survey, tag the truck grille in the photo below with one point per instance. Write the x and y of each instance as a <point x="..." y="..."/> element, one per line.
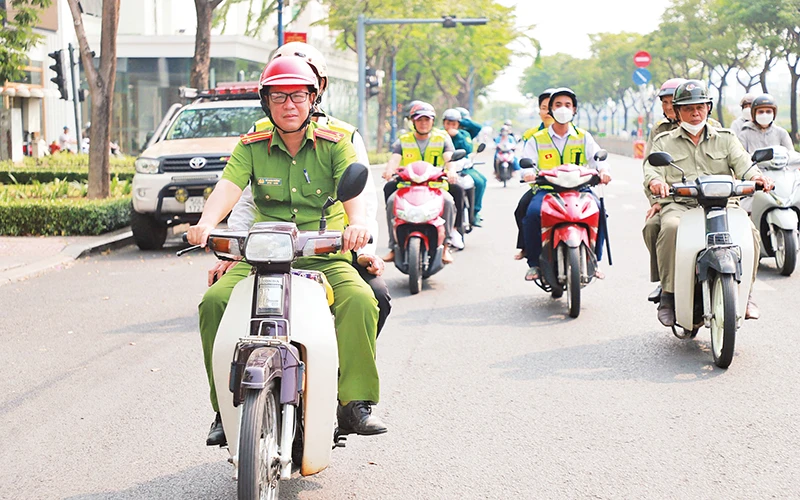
<point x="182" y="163"/>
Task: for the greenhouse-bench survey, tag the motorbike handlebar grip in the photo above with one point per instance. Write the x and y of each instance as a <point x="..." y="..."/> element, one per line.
<point x="185" y="237"/>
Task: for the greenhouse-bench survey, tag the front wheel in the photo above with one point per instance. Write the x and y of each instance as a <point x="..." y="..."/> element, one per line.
<point x="574" y="281"/>
<point x="414" y="253"/>
<point x="785" y="250"/>
<point x="723" y="319"/>
<point x="259" y="458"/>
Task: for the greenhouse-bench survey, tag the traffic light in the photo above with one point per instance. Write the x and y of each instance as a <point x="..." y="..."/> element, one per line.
<point x="58" y="69"/>
<point x="373" y="83"/>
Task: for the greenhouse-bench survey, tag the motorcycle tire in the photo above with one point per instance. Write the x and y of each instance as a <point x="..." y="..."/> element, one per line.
<point x="574" y="282"/>
<point x="785" y="251"/>
<point x="260" y="428"/>
<point x="414" y="253"/>
<point x="723" y="319"/>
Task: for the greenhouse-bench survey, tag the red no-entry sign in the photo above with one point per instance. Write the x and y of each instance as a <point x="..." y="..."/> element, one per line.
<point x="641" y="59"/>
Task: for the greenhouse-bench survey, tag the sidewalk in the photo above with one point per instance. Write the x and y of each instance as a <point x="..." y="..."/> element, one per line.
<point x="22" y="257"/>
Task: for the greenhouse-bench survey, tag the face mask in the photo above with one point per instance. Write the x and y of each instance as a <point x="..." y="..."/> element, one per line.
<point x="746" y="115"/>
<point x="764" y="118"/>
<point x="693" y="129"/>
<point x="563" y="115"/>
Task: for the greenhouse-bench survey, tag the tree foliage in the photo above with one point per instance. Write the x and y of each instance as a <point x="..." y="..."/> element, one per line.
<point x="17" y="36"/>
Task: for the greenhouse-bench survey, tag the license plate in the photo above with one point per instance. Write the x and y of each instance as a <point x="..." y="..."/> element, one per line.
<point x="195" y="204"/>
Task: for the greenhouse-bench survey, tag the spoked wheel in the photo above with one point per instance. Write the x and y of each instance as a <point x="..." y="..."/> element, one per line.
<point x="723" y="319"/>
<point x="785" y="250"/>
<point x="259" y="459"/>
<point x="574" y="281"/>
<point x="414" y="254"/>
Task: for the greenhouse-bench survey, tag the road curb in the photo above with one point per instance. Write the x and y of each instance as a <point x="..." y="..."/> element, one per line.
<point x="68" y="254"/>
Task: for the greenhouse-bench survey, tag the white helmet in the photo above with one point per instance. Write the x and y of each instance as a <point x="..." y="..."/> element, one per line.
<point x="312" y="56"/>
<point x="452" y="115"/>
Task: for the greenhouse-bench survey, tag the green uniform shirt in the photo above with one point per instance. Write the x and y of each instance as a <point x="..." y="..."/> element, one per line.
<point x="718" y="152"/>
<point x="292" y="189"/>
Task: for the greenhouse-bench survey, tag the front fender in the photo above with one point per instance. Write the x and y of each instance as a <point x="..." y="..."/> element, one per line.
<point x="783" y="218"/>
<point x="263" y="365"/>
<point x="572" y="236"/>
<point x="722" y="260"/>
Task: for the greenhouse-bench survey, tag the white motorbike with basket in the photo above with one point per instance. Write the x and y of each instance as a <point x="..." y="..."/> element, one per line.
<point x="714" y="257"/>
<point x="276" y="352"/>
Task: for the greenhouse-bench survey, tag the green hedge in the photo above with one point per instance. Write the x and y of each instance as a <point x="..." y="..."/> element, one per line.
<point x="68" y="167"/>
<point x="376" y="158"/>
<point x="63" y="217"/>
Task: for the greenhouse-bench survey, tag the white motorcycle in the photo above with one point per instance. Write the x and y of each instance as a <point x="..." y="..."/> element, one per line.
<point x="775" y="214"/>
<point x="714" y="257"/>
<point x="276" y="352"/>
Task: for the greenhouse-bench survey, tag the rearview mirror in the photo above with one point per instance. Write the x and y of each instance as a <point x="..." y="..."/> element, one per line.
<point x="760" y="155"/>
<point x="481" y="147"/>
<point x="659" y="159"/>
<point x="526" y="163"/>
<point x="601" y="155"/>
<point x="459" y="154"/>
<point x="352" y="182"/>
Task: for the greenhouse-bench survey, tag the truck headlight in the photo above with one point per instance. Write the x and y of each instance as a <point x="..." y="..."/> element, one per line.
<point x="269" y="247"/>
<point x="147" y="165"/>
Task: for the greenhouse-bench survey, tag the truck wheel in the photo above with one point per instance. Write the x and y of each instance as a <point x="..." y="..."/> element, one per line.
<point x="148" y="233"/>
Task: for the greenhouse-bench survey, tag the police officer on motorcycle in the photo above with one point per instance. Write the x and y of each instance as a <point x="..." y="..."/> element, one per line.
<point x="301" y="157"/>
<point x="699" y="149"/>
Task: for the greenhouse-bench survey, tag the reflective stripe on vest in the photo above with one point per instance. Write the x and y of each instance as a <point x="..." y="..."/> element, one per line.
<point x="550" y="157"/>
<point x="433" y="153"/>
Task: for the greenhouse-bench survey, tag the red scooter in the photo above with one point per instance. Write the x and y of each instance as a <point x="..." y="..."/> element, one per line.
<point x="418" y="224"/>
<point x="571" y="218"/>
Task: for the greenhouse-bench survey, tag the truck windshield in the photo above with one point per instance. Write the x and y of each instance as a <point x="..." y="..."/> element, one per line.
<point x="214" y="122"/>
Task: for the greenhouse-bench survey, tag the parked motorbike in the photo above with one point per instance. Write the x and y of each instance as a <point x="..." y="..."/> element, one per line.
<point x="570" y="223"/>
<point x="504" y="163"/>
<point x="418" y="224"/>
<point x="276" y="351"/>
<point x="713" y="257"/>
<point x="775" y="213"/>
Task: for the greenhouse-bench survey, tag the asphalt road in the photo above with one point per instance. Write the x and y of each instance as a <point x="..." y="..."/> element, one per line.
<point x="489" y="389"/>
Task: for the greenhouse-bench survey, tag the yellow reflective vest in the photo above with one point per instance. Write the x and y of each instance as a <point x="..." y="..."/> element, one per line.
<point x="550" y="157"/>
<point x="434" y="153"/>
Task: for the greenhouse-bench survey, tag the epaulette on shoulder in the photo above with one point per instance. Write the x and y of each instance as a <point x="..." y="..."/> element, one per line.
<point x="724" y="130"/>
<point x="256" y="137"/>
<point x="662" y="134"/>
<point x="328" y="135"/>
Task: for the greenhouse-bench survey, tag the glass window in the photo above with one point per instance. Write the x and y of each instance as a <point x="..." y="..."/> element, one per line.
<point x="214" y="122"/>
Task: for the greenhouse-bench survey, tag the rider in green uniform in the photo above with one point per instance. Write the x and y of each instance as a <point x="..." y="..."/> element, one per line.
<point x="293" y="170"/>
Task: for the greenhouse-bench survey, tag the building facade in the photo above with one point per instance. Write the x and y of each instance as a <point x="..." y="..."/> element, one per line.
<point x="155" y="45"/>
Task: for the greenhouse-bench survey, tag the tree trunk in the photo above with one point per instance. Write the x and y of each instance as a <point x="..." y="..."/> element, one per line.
<point x="793" y="98"/>
<point x="101" y="86"/>
<point x="198" y="78"/>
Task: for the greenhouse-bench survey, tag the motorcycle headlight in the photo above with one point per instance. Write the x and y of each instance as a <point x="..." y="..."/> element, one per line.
<point x="146" y="165"/>
<point x="717" y="189"/>
<point x="269" y="247"/>
<point x="269" y="299"/>
<point x="421" y="213"/>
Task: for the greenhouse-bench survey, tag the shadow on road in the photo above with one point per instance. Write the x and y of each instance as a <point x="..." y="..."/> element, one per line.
<point x="655" y="358"/>
<point x="209" y="481"/>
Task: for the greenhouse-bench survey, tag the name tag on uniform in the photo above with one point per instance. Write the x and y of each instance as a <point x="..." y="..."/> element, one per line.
<point x="269" y="181"/>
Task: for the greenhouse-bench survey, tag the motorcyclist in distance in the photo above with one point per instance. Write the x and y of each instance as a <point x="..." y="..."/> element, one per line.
<point x="746" y="104"/>
<point x="761" y="131"/>
<point x="451" y="121"/>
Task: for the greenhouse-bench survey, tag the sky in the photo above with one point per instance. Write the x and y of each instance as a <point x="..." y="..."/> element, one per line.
<point x="569" y="32"/>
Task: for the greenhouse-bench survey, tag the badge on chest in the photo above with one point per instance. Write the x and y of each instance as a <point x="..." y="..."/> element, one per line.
<point x="269" y="181"/>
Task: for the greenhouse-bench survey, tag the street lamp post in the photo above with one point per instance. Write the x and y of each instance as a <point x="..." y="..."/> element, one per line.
<point x="280" y="23"/>
<point x="363" y="22"/>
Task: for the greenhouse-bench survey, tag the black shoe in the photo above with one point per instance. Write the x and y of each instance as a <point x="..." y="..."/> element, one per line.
<point x="216" y="436"/>
<point x="356" y="418"/>
<point x="655" y="295"/>
<point x="666" y="309"/>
